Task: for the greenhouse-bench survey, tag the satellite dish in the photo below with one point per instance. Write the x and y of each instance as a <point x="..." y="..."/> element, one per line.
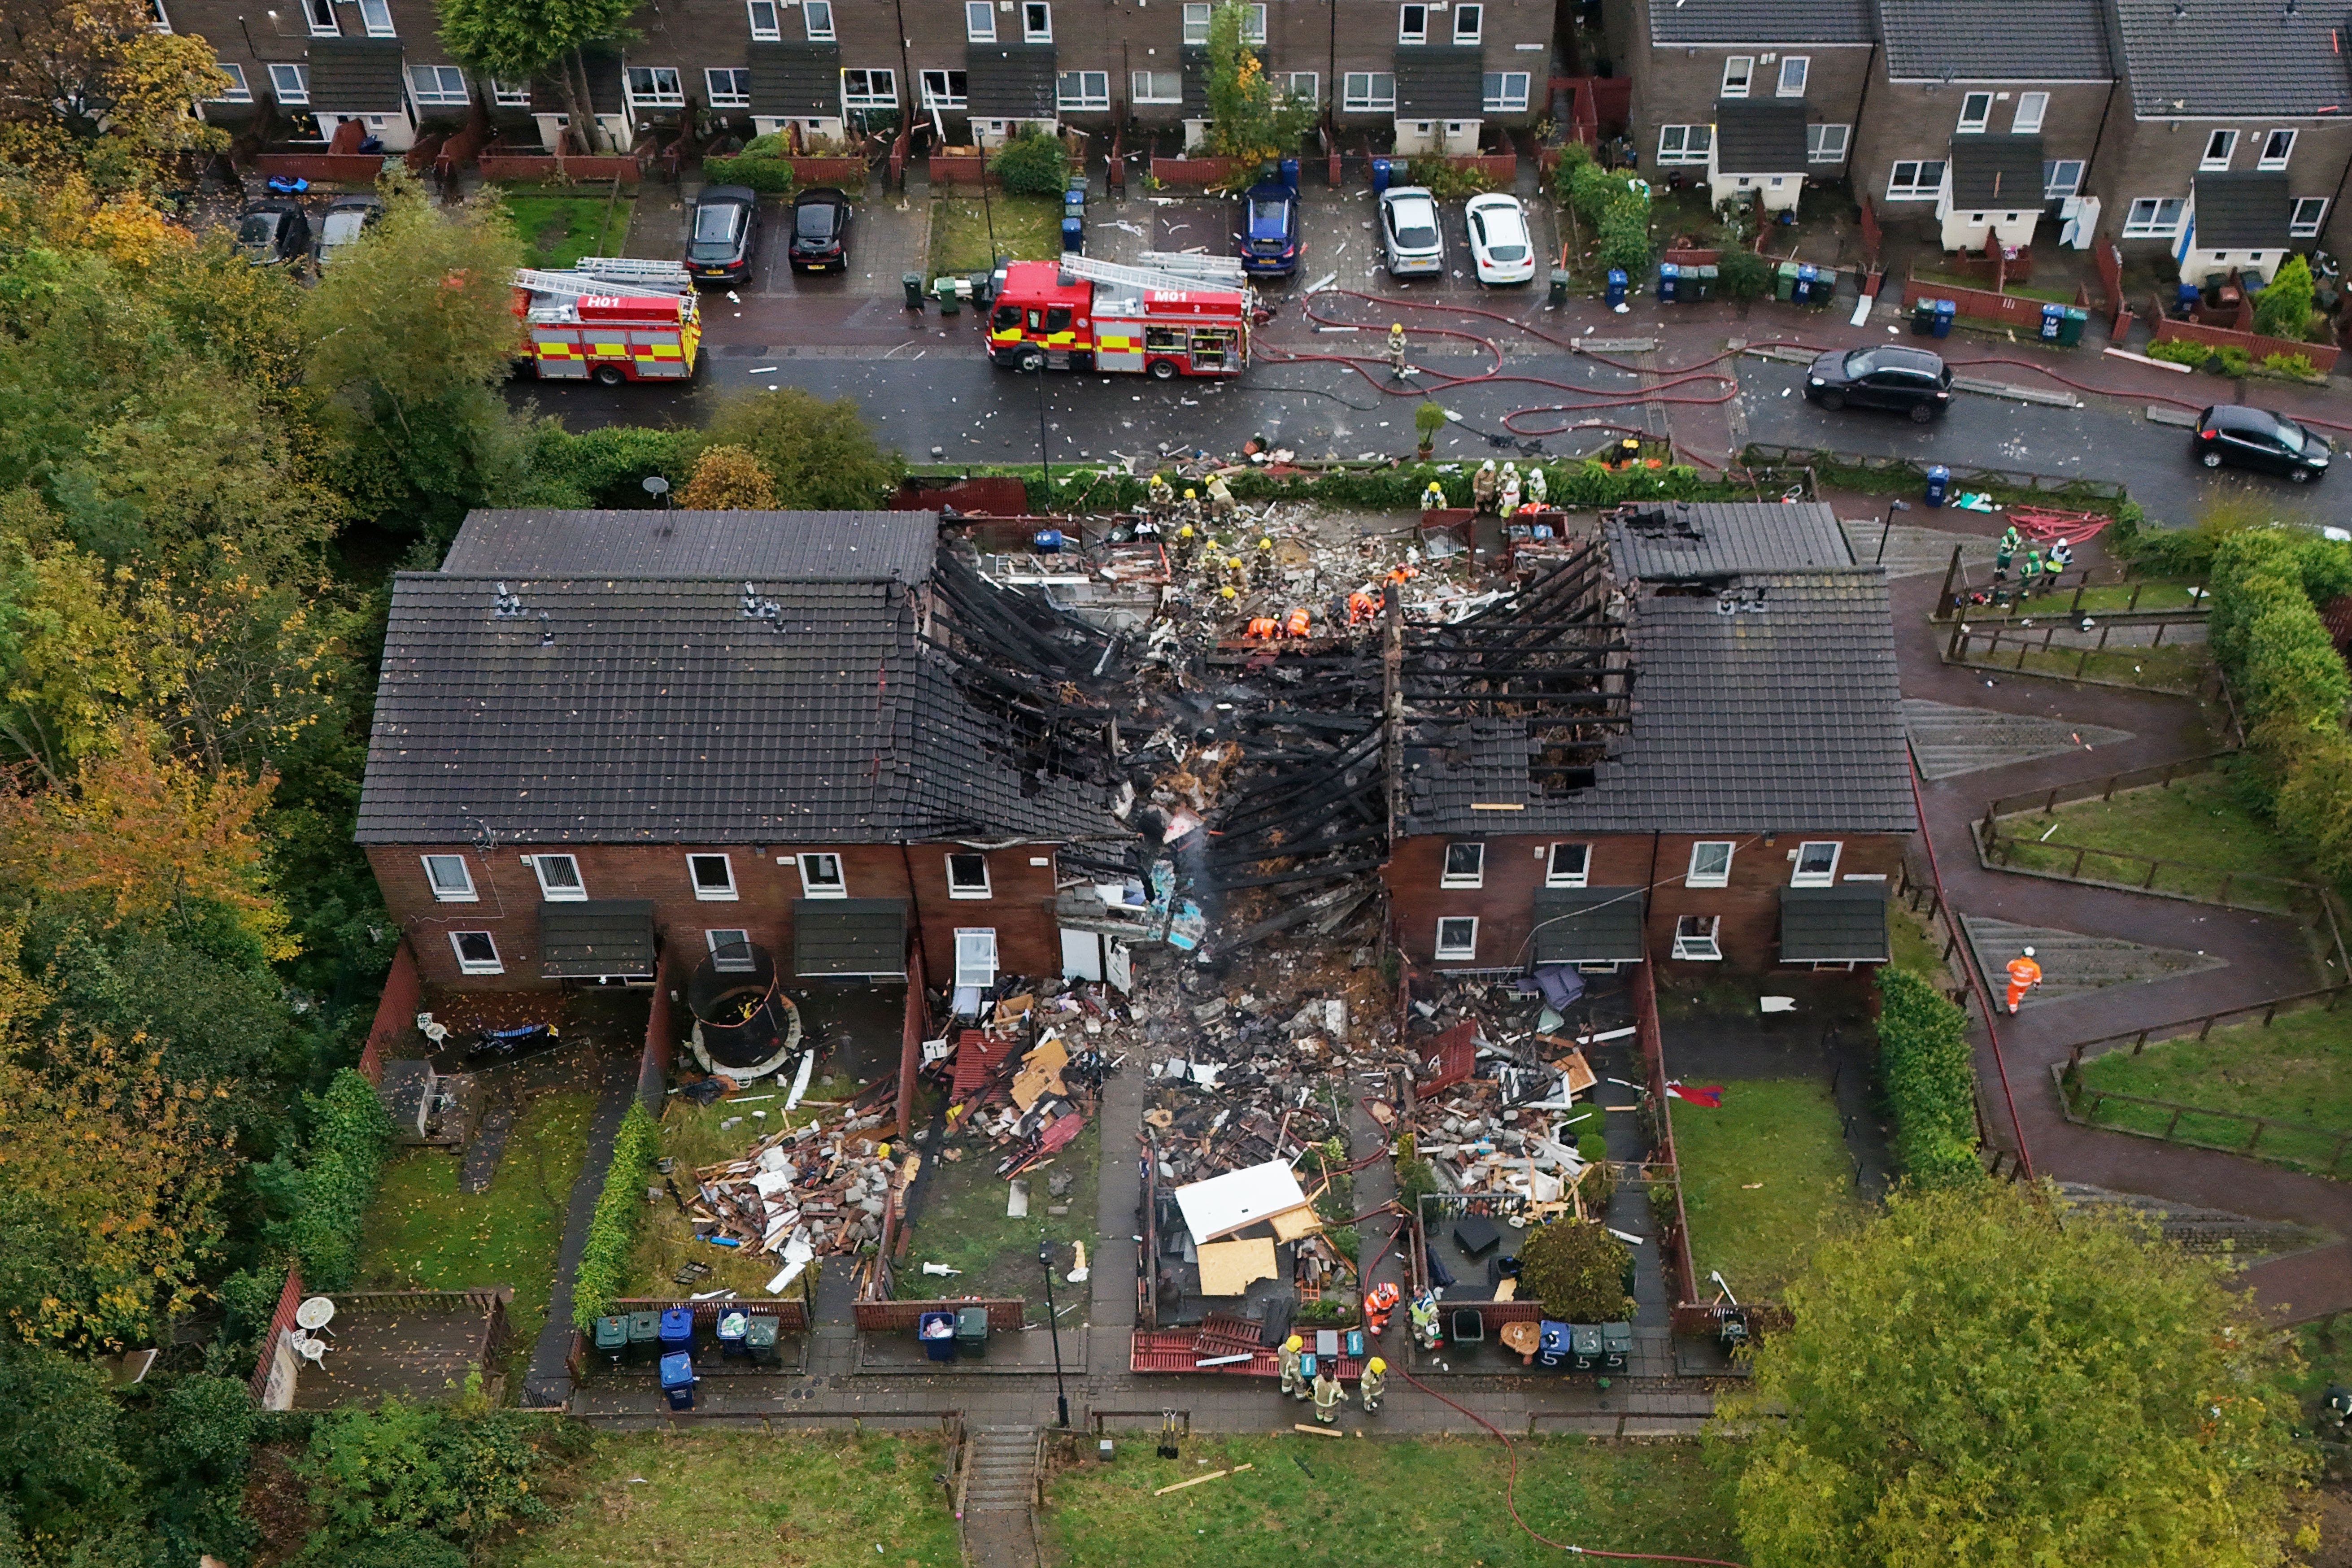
<point x="655" y="485"/>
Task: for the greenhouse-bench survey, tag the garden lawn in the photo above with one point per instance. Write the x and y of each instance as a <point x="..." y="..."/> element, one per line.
<point x="423" y="1234"/>
<point x="2298" y="1069"/>
<point x="691" y="1137"/>
<point x="2199" y="822"/>
<point x="558" y="229"/>
<point x="961" y="1221"/>
<point x="1919" y="946"/>
<point x="2177" y="668"/>
<point x="1028" y="229"/>
<point x="1764" y="1176"/>
<point x="726" y="1499"/>
<point x="1309" y="1503"/>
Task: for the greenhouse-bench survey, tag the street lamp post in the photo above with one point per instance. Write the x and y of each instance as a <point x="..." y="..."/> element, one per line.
<point x="1044" y="461"/>
<point x="1888" y="527"/>
<point x="1054" y="1327"/>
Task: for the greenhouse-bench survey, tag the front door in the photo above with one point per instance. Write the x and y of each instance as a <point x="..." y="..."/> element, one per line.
<point x="1081" y="954"/>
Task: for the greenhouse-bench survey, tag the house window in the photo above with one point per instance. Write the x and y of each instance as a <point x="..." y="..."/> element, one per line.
<point x="2219" y="146"/>
<point x="1826" y="143"/>
<point x="731" y="87"/>
<point x="376" y="15"/>
<point x="1083" y="89"/>
<point x="517" y="97"/>
<point x="237" y="91"/>
<point x="477" y="952"/>
<point x="2154" y="218"/>
<point x="975" y="956"/>
<point x="968" y="875"/>
<point x="1304" y="87"/>
<point x="979" y="22"/>
<point x="1736" y="71"/>
<point x="765" y="26"/>
<point x="437" y="84"/>
<point x="713" y="876"/>
<point x="320" y="14"/>
<point x="1694" y="937"/>
<point x="1710" y="864"/>
<point x="1918" y="181"/>
<point x="1368" y="90"/>
<point x="1036" y="22"/>
<point x="1568" y="866"/>
<point x="1465" y="866"/>
<point x="1976" y="111"/>
<point x="1506" y="90"/>
<point x="1468" y="20"/>
<point x="1685" y="143"/>
<point x="1793" y="71"/>
<point x="870" y="89"/>
<point x="1458" y="937"/>
<point x="656" y="85"/>
<point x="289" y="84"/>
<point x="1412" y="24"/>
<point x="1253" y="23"/>
<point x="2031" y="108"/>
<point x="163" y="17"/>
<point x="559" y="877"/>
<point x="2308" y="212"/>
<point x="2277" y="148"/>
<point x="2061" y="177"/>
<point x="943" y="89"/>
<point x="818" y="16"/>
<point x="821" y="876"/>
<point x="1196" y="24"/>
<point x="1816" y="865"/>
<point x="451" y="880"/>
<point x="730" y="951"/>
<point x="1155" y="87"/>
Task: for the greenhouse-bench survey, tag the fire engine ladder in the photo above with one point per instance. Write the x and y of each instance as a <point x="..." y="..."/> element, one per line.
<point x="603" y="275"/>
<point x="1224" y="271"/>
<point x="1140" y="278"/>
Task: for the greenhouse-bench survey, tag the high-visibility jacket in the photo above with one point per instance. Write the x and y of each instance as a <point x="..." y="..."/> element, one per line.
<point x="2023" y="972"/>
<point x="1371" y="1386"/>
<point x="1299" y="623"/>
<point x="1327" y="1392"/>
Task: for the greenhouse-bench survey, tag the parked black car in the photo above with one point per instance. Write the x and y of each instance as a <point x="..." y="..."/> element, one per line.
<point x="725" y="234"/>
<point x="272" y="230"/>
<point x="345" y="220"/>
<point x="820" y="231"/>
<point x="2256" y="438"/>
<point x="1912" y="380"/>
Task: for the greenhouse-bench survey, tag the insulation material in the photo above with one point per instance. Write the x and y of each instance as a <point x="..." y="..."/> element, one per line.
<point x="1239" y="1199"/>
<point x="1227" y="1268"/>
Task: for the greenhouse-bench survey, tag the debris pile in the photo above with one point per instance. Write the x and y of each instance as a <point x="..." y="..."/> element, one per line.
<point x="803" y="1192"/>
<point x="1251" y="1086"/>
<point x="1025" y="1083"/>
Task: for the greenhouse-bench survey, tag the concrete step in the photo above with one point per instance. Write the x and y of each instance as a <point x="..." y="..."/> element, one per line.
<point x="1949" y="740"/>
<point x="2196" y="1229"/>
<point x="2074" y="963"/>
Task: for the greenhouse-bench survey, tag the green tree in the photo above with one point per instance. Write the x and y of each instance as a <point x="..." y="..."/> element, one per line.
<point x="727" y="479"/>
<point x="61" y="1477"/>
<point x="1986" y="1375"/>
<point x="93" y="88"/>
<point x="2282" y="310"/>
<point x="820" y="455"/>
<point x="415" y="1467"/>
<point x="1249" y="117"/>
<point x="520" y="40"/>
<point x="1033" y="163"/>
<point x="1577" y="1269"/>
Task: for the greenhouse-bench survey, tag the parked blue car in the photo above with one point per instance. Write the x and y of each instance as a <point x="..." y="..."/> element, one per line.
<point x="1269" y="237"/>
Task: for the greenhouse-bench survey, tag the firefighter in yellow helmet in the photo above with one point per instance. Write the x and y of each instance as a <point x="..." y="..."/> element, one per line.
<point x="1327" y="1390"/>
<point x="1220" y="496"/>
<point x="1374" y="1384"/>
<point x="1396" y="350"/>
<point x="1289" y="1360"/>
<point x="1160" y="494"/>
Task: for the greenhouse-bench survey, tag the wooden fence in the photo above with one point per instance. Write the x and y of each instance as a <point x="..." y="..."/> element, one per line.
<point x="945" y="169"/>
<point x="2083" y="1105"/>
<point x="1005" y="1314"/>
<point x="2026" y="650"/>
<point x="2203" y="1023"/>
<point x="2104" y="787"/>
<point x="789" y="1312"/>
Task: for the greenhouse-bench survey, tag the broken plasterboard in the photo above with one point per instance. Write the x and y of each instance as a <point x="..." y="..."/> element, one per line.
<point x="1228" y="1267"/>
<point x="1239" y="1199"/>
<point x="1290" y="1224"/>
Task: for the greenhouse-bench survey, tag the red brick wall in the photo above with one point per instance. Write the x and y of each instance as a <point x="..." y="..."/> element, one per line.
<point x="1196" y="171"/>
<point x="2321" y="355"/>
<point x="395" y="1012"/>
<point x="345" y="168"/>
<point x="528" y="166"/>
<point x="1004" y="1313"/>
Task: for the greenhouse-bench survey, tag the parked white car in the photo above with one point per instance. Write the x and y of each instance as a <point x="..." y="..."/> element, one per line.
<point x="1499" y="241"/>
<point x="1411" y="242"/>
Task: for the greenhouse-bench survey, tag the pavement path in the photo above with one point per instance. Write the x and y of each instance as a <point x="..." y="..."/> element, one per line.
<point x="549" y="1379"/>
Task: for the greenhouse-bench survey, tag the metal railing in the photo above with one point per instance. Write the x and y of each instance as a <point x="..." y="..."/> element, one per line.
<point x="2073" y="486"/>
<point x="2163" y="877"/>
<point x="2046" y="600"/>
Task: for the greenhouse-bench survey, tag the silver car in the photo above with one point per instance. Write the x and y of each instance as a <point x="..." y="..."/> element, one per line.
<point x="1410" y="241"/>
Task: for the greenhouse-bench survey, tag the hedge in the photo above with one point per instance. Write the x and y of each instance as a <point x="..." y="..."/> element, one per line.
<point x="327" y="1194"/>
<point x="604" y="1272"/>
<point x="769" y="176"/>
<point x="1930" y="1076"/>
<point x="1583" y="484"/>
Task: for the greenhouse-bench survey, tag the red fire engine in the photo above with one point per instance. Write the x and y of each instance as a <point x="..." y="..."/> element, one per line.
<point x="1177" y="315"/>
<point x="616" y="320"/>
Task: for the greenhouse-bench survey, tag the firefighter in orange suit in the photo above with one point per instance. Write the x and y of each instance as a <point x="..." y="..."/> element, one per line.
<point x="2024" y="975"/>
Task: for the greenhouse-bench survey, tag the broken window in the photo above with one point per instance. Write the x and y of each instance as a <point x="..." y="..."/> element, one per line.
<point x="975" y="956"/>
<point x="1465" y="866"/>
<point x="968" y="875"/>
<point x="1694" y="937"/>
<point x="1570" y="862"/>
<point x="821" y="876"/>
<point x="1458" y="937"/>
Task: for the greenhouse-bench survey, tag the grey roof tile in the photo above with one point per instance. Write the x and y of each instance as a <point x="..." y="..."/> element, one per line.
<point x="796" y="78"/>
<point x="849" y="936"/>
<point x="1010" y="81"/>
<point x="2245" y="211"/>
<point x="2214" y="57"/>
<point x="1843" y="924"/>
<point x="768" y="545"/>
<point x="356" y="76"/>
<point x="1762" y="22"/>
<point x="1683" y="540"/>
<point x="1995" y="40"/>
<point x="1759" y="135"/>
<point x="1440" y="81"/>
<point x="1996" y="171"/>
<point x="595" y="937"/>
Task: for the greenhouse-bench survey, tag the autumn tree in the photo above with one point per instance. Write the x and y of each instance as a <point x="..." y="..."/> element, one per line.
<point x="523" y="41"/>
<point x="1986" y="1374"/>
<point x="94" y="87"/>
<point x="1249" y="117"/>
<point x="821" y="455"/>
<point x="727" y="479"/>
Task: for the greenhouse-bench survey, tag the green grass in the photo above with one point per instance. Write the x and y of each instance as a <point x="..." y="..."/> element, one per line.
<point x="423" y="1234"/>
<point x="2177" y="668"/>
<point x="1917" y="946"/>
<point x="2201" y="823"/>
<point x="724" y="1500"/>
<point x="559" y="229"/>
<point x="2102" y="599"/>
<point x="1763" y="1177"/>
<point x="1311" y="1503"/>
<point x="2298" y="1069"/>
<point x="1027" y="229"/>
<point x="691" y="1138"/>
<point x="961" y="1223"/>
<point x="1984" y="285"/>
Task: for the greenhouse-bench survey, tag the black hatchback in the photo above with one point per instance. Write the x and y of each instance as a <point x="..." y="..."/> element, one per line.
<point x="725" y="234"/>
<point x="820" y="231"/>
<point x="1912" y="380"/>
<point x="2256" y="438"/>
<point x="273" y="230"/>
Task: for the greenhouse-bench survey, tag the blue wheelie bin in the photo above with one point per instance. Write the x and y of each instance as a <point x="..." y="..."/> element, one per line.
<point x="1669" y="277"/>
<point x="1809" y="280"/>
<point x="678" y="1380"/>
<point x="937" y="1332"/>
<point x="1382" y="172"/>
<point x="732" y="1328"/>
<point x="1551" y="1343"/>
<point x="2053" y="321"/>
<point x="1617" y="281"/>
<point x="1939" y="483"/>
<point x="1945" y="310"/>
<point x="677" y="1331"/>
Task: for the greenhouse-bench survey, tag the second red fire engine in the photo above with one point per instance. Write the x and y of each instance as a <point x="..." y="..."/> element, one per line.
<point x="1079" y="313"/>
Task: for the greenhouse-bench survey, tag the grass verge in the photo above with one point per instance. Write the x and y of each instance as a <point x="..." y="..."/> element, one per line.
<point x="423" y="1234"/>
<point x="2097" y="599"/>
<point x="1917" y="946"/>
<point x="1307" y="1503"/>
<point x="1027" y="229"/>
<point x="2298" y="1069"/>
<point x="961" y="1223"/>
<point x="2200" y="825"/>
<point x="2177" y="668"/>
<point x="559" y="229"/>
<point x="722" y="1499"/>
<point x="1763" y="1177"/>
<point x="692" y="1136"/>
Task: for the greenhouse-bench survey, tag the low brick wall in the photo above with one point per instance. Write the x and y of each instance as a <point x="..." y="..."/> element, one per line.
<point x="1685" y="258"/>
<point x="2321" y="355"/>
<point x="395" y="1012"/>
<point x="1501" y="167"/>
<point x="828" y="171"/>
<point x="526" y="167"/>
<point x="343" y="168"/>
<point x="791" y="1314"/>
<point x="900" y="1317"/>
<point x="2013" y="311"/>
<point x="948" y="171"/>
<point x="1197" y="171"/>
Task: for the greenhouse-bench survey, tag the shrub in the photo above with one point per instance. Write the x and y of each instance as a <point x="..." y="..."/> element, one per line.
<point x="603" y="1271"/>
<point x="1592" y="188"/>
<point x="1741" y="274"/>
<point x="2290" y="364"/>
<point x="728" y="479"/>
<point x="1573" y="155"/>
<point x="2235" y="362"/>
<point x="1451" y="181"/>
<point x="768" y="176"/>
<point x="322" y="1201"/>
<point x="1625" y="235"/>
<point x="1577" y="1269"/>
<point x="1032" y="163"/>
<point x="820" y="455"/>
<point x="418" y="1468"/>
<point x="1930" y="1076"/>
<point x="2179" y="351"/>
<point x="1428" y="419"/>
<point x="2282" y="310"/>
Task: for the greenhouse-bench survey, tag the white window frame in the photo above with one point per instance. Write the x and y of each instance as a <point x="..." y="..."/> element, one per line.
<point x="816" y="16"/>
<point x="440" y="93"/>
<point x="1738" y="75"/>
<point x="1253" y="23"/>
<point x="1974" y="124"/>
<point x="1579" y="878"/>
<point x="722" y="893"/>
<point x="1475" y="14"/>
<point x="655" y="99"/>
<point x="2053" y="186"/>
<point x="1674" y="143"/>
<point x="2273" y="161"/>
<point x="2209" y="162"/>
<point x="1696" y="946"/>
<point x="300" y="75"/>
<point x="2301" y="228"/>
<point x="2033" y="107"/>
<point x="728" y="936"/>
<point x="1896" y="191"/>
<point x="946" y="97"/>
<point x="375" y="17"/>
<point x="163" y="25"/>
<point x="731" y="95"/>
<point x="493" y="964"/>
<point x="1196" y="23"/>
<point x="767" y="23"/>
<point x="239" y="89"/>
<point x="2149" y="227"/>
<point x="1407" y="33"/>
<point x="1459" y="950"/>
<point x="814" y="884"/>
<point x="1146" y="87"/>
<point x="1818" y="148"/>
<point x="1030" y="33"/>
<point x="1303" y="86"/>
<point x="1800" y="877"/>
<point x="1804" y="66"/>
<point x="576" y="894"/>
<point x="1084" y="100"/>
<point x="509" y="97"/>
<point x="1377" y="94"/>
<point x="987" y="889"/>
<point x="975" y="957"/>
<point x="979" y="22"/>
<point x="320" y="16"/>
<point x="1448" y="877"/>
<point x="888" y="98"/>
<point x="1695" y="877"/>
<point x="466" y="894"/>
<point x="1499" y="97"/>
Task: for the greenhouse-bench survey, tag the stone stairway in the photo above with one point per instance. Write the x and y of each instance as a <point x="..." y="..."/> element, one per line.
<point x="1949" y="740"/>
<point x="2074" y="964"/>
<point x="1912" y="552"/>
<point x="1000" y="1493"/>
<point x="2196" y="1229"/>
